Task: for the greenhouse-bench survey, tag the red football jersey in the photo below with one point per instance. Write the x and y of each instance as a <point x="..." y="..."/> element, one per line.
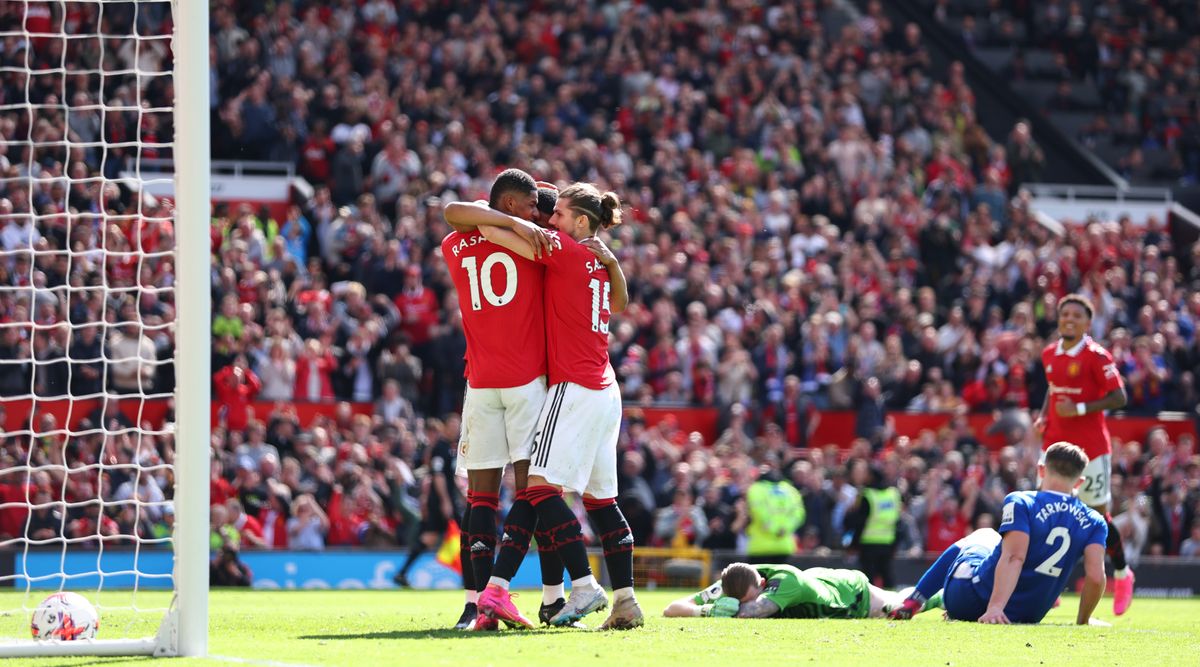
<point x="577" y="313"/>
<point x="1081" y="374"/>
<point x="500" y="295"/>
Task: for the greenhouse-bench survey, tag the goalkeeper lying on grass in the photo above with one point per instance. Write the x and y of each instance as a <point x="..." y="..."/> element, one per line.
<point x="782" y="591"/>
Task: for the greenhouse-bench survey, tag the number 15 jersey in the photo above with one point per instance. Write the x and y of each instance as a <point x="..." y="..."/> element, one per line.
<point x="1059" y="528"/>
<point x="577" y="314"/>
<point x="500" y="295"/>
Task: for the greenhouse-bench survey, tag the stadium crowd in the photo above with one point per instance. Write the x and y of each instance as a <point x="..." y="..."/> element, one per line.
<point x="817" y="224"/>
<point x="1142" y="58"/>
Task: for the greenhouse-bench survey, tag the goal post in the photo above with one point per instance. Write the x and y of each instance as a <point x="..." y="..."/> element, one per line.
<point x="193" y="345"/>
<point x="97" y="77"/>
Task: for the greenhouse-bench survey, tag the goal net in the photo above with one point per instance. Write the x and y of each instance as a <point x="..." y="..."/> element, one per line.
<point x="103" y="321"/>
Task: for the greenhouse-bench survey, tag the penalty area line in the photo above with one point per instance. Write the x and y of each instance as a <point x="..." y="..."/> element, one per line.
<point x="255" y="661"/>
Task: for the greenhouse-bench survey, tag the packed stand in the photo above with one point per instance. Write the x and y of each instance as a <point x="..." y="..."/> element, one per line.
<point x="86" y="307"/>
<point x="818" y="225"/>
<point x="821" y="225"/>
<point x="1140" y="58"/>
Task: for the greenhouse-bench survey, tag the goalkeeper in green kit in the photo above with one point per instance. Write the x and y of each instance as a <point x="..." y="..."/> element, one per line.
<point x="783" y="591"/>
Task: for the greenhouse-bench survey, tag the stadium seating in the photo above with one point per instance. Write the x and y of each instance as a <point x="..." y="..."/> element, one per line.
<point x="1117" y="58"/>
<point x="816" y="223"/>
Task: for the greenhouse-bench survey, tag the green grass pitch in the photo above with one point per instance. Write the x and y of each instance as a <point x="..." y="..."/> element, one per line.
<point x="377" y="628"/>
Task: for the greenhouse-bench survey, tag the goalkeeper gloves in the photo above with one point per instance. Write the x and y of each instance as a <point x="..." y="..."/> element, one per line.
<point x="722" y="607"/>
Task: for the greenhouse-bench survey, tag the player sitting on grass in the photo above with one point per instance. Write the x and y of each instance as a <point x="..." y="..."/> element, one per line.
<point x="1016" y="578"/>
<point x="783" y="591"/>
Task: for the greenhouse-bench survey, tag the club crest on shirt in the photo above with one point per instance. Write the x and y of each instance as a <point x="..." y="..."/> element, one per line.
<point x="1073" y="368"/>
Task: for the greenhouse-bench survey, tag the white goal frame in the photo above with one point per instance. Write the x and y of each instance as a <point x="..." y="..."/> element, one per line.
<point x="184" y="627"/>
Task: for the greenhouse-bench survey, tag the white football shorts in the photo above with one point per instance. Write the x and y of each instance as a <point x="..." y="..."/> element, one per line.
<point x="575" y="445"/>
<point x="498" y="425"/>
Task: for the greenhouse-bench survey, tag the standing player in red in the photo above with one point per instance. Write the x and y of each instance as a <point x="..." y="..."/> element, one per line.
<point x="575" y="444"/>
<point x="1083" y="384"/>
<point x="500" y="296"/>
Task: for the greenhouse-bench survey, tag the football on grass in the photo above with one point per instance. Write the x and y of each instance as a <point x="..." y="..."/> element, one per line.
<point x="65" y="617"/>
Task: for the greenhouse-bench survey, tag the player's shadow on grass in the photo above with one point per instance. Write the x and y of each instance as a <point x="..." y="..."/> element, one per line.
<point x="437" y="634"/>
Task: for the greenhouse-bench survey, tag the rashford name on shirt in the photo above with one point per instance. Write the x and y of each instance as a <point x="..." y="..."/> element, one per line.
<point x="467" y="242"/>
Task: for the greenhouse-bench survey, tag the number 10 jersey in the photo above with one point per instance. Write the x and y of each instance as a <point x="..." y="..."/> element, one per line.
<point x="500" y="295"/>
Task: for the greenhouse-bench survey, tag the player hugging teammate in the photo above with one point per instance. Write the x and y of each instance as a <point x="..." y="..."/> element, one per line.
<point x="494" y="255"/>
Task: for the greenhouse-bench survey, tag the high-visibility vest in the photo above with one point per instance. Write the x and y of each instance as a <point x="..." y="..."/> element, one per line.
<point x="883" y="517"/>
<point x="776" y="511"/>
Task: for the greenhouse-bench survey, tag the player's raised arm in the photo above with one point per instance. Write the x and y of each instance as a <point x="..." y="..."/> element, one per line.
<point x="1008" y="571"/>
<point x="458" y="224"/>
<point x="1093" y="583"/>
<point x="480" y="215"/>
<point x="468" y="215"/>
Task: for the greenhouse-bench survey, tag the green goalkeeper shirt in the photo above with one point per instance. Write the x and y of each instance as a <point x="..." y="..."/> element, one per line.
<point x="817" y="592"/>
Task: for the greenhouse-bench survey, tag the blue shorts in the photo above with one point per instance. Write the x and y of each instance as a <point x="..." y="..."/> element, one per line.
<point x="959" y="595"/>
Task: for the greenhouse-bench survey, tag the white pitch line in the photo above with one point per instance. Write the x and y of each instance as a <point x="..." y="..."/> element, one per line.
<point x="253" y="661"/>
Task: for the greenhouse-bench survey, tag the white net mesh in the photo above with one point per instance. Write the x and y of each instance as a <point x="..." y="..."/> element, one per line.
<point x="86" y="310"/>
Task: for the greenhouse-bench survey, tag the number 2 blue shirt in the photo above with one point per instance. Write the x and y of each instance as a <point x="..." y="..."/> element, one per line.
<point x="1059" y="528"/>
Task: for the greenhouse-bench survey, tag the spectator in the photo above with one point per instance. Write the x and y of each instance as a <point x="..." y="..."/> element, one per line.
<point x="227" y="569"/>
<point x="1191" y="546"/>
<point x="236" y="387"/>
<point x="277" y="374"/>
<point x="86" y="353"/>
<point x="1174" y="516"/>
<point x="14" y="355"/>
<point x="134" y="359"/>
<point x="250" y="531"/>
<point x="682" y="523"/>
<point x="256" y="449"/>
<point x="314" y="373"/>
<point x="950" y="518"/>
<point x="1134" y="525"/>
<point x="871" y="422"/>
<point x="275" y="516"/>
<point x="307" y="525"/>
<point x="392" y="407"/>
